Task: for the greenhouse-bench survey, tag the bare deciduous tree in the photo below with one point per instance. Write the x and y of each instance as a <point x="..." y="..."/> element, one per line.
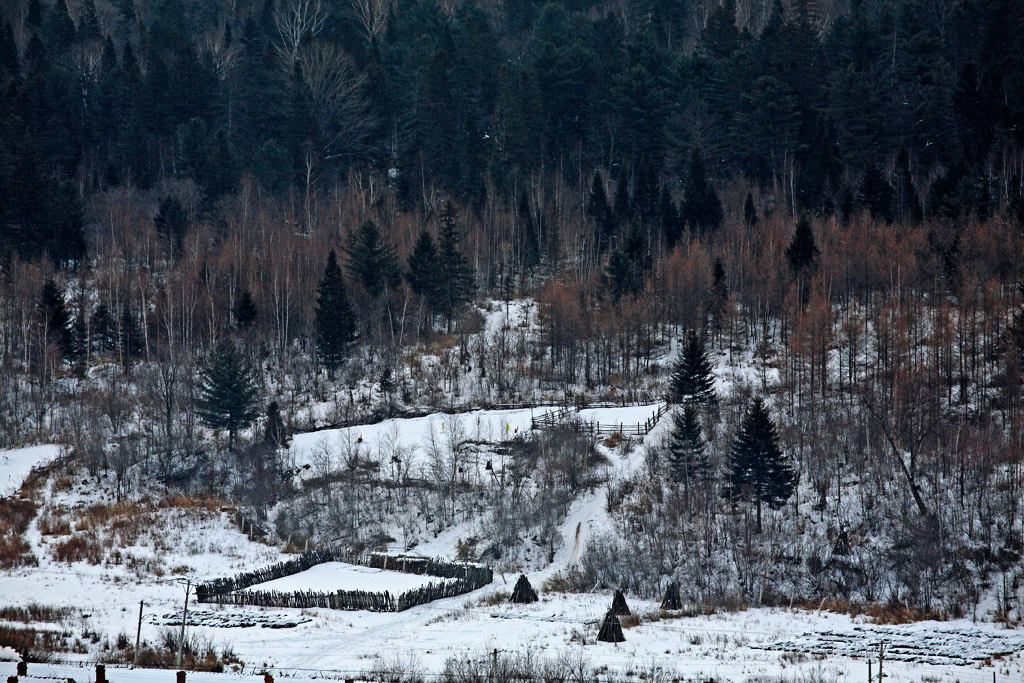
<point x="372" y="15"/>
<point x="297" y="21"/>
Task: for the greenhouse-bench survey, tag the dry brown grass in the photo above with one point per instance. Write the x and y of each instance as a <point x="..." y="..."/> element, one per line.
<point x="877" y="612"/>
<point x="96" y="532"/>
<point x="198" y="654"/>
<point x="15" y="516"/>
<point x="34" y="612"/>
<point x="80" y="547"/>
<point x="38" y="645"/>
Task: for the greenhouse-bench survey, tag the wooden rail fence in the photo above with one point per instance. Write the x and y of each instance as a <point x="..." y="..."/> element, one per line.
<point x="560" y="416"/>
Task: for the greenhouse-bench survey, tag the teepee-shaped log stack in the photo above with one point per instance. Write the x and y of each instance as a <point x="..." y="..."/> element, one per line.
<point x="611" y="629"/>
<point x="619" y="606"/>
<point x="672" y="599"/>
<point x="523" y="593"/>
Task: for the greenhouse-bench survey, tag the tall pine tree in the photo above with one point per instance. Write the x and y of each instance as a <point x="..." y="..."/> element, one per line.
<point x="228" y="393"/>
<point x="692" y="380"/>
<point x="686" y="448"/>
<point x="335" y="322"/>
<point x="758" y="471"/>
<point x="455" y="276"/>
<point x="371" y="260"/>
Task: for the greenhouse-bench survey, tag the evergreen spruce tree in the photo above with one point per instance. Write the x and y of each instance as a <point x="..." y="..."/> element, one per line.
<point x="171" y="223"/>
<point x="759" y="472"/>
<point x="686" y="448"/>
<point x="55" y="318"/>
<point x="627" y="266"/>
<point x="528" y="236"/>
<point x="228" y="393"/>
<point x="456" y="277"/>
<point x="802" y="251"/>
<point x="79" y="340"/>
<point x="720" y="294"/>
<point x="130" y="342"/>
<point x="702" y="210"/>
<point x="749" y="211"/>
<point x="876" y="194"/>
<point x="600" y="213"/>
<point x="422" y="269"/>
<point x="692" y="380"/>
<point x="60" y="28"/>
<point x="623" y="204"/>
<point x="371" y="260"/>
<point x="244" y="311"/>
<point x="671" y="230"/>
<point x="88" y="23"/>
<point x="335" y="322"/>
<point x="275" y="433"/>
<point x="101" y="329"/>
<point x="907" y="203"/>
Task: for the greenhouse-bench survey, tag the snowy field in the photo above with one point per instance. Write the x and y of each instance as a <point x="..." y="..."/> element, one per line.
<point x="734" y="647"/>
<point x="334" y="576"/>
<point x="411" y="438"/>
<point x="17" y="463"/>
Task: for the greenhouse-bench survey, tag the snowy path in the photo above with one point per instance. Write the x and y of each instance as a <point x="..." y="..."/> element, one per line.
<point x="16" y="464"/>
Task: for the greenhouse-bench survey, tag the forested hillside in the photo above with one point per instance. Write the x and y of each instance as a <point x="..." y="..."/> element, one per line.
<point x="800" y="223"/>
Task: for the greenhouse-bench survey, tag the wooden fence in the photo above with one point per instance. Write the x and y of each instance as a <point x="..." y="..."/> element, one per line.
<point x="463" y="578"/>
<point x="557" y="417"/>
<point x="230" y="584"/>
<point x="627" y="428"/>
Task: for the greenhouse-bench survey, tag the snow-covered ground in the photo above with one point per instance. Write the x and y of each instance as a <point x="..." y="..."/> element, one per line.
<point x="17" y="463"/>
<point x="737" y="646"/>
<point x="334" y="576"/>
<point x="408" y="437"/>
<point x="411" y="438"/>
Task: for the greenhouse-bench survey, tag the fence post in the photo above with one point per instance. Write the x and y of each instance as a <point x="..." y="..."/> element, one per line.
<point x="101" y="673"/>
<point x="23" y="668"/>
<point x="267" y="678"/>
<point x="12" y="679"/>
<point x="180" y="677"/>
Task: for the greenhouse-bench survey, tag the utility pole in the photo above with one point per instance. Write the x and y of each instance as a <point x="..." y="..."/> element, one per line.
<point x="138" y="636"/>
<point x="184" y="620"/>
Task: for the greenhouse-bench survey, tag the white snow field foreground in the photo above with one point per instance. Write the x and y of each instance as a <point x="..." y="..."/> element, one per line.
<point x="728" y="647"/>
<point x="335" y="576"/>
<point x="16" y="464"/>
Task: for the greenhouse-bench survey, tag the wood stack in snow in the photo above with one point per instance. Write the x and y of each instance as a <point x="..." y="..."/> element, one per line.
<point x="611" y="629"/>
<point x="672" y="601"/>
<point x="619" y="606"/>
<point x="523" y="592"/>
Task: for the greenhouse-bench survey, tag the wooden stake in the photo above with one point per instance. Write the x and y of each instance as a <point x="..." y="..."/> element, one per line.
<point x="181" y="642"/>
<point x="138" y="636"/>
